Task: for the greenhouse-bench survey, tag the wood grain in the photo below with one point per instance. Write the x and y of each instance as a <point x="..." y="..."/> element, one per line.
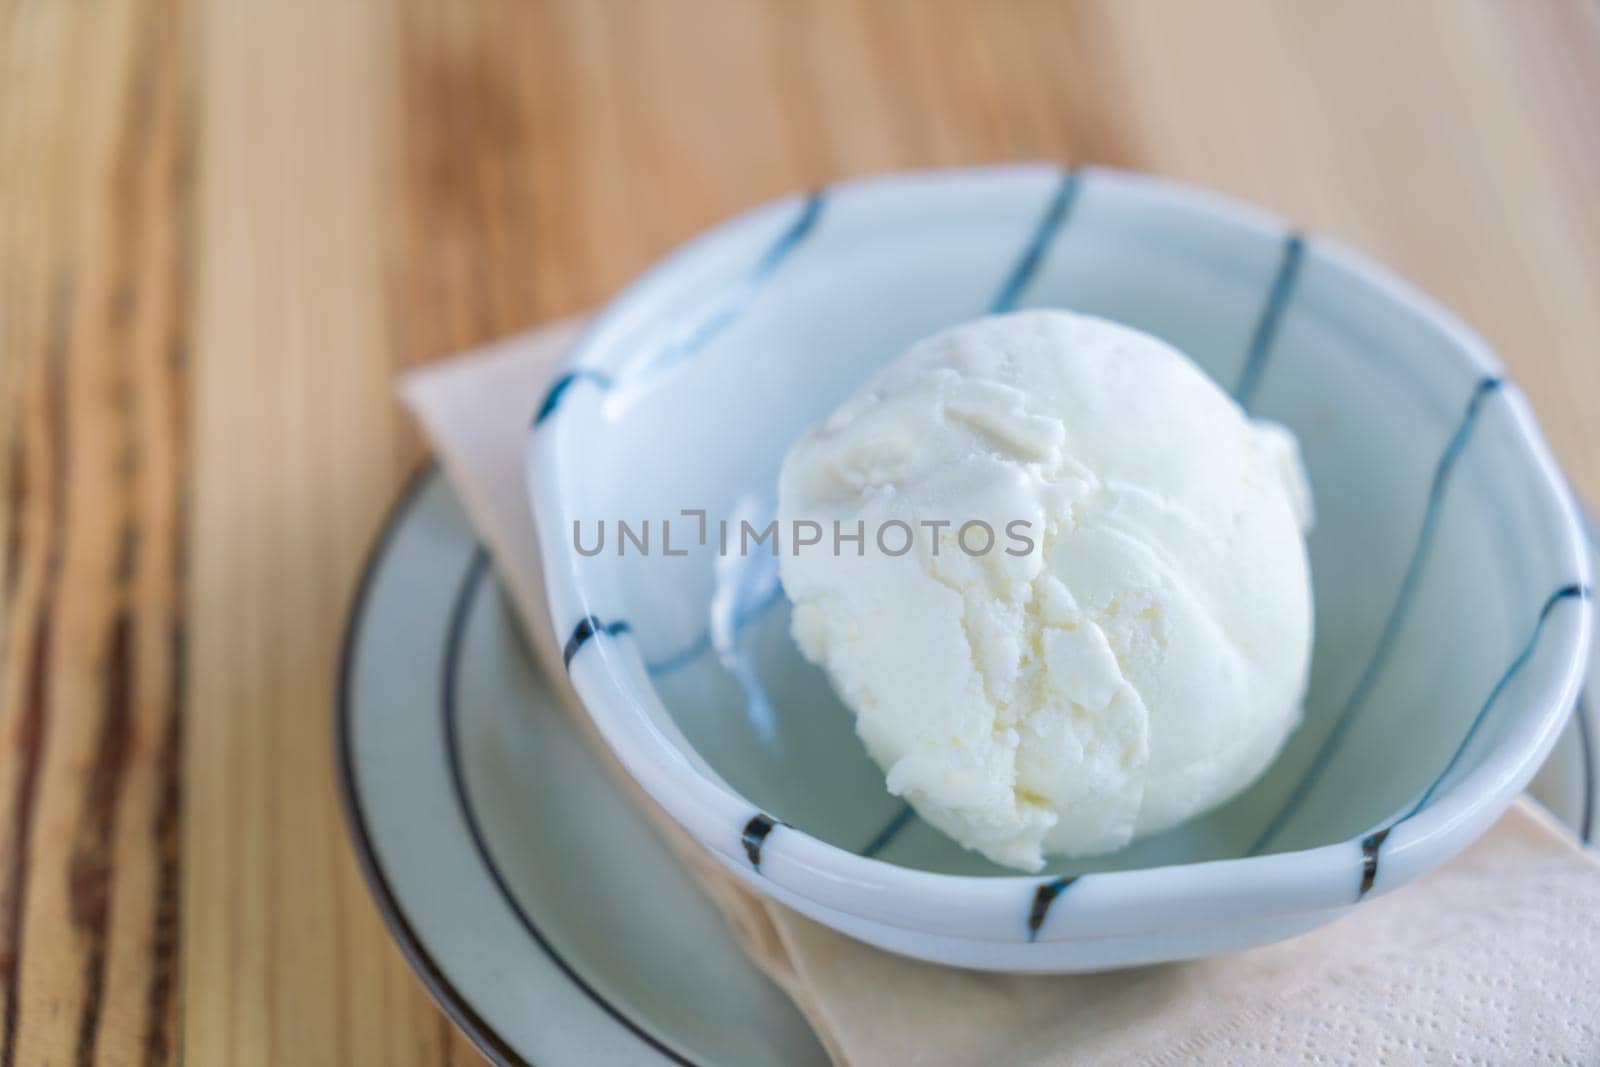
<point x="225" y="226"/>
<point x="95" y="278"/>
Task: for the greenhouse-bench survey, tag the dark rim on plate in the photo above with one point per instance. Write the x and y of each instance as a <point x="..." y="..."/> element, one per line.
<point x="422" y="963"/>
<point x="467" y="590"/>
<point x="454" y="1003"/>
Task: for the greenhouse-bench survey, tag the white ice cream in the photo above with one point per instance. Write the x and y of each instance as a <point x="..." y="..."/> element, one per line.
<point x="1143" y="663"/>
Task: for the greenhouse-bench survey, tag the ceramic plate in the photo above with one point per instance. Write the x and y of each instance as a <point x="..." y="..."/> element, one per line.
<point x="537" y="906"/>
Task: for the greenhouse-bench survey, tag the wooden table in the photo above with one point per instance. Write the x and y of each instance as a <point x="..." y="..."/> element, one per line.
<point x="224" y="228"/>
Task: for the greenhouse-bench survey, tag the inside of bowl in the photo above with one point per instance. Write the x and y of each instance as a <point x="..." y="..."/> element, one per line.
<point x="1432" y="556"/>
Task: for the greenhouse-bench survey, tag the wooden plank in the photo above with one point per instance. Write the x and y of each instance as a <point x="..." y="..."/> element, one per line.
<point x="297" y="447"/>
<point x="94" y="276"/>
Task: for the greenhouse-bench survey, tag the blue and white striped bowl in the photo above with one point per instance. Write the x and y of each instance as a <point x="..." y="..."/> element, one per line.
<point x="1452" y="585"/>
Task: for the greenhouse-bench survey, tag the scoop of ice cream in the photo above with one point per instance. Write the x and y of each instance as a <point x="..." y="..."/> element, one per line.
<point x="1126" y="646"/>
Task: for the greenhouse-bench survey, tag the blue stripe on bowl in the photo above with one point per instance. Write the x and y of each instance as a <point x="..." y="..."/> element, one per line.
<point x="1266" y="331"/>
<point x="890" y="831"/>
<point x="587" y="628"/>
<point x="559" y="387"/>
<point x="1397" y="616"/>
<point x="1568" y="592"/>
<point x="723" y="312"/>
<point x="1055" y="216"/>
<point x="1584" y="713"/>
<point x="1371" y="845"/>
<point x="1587" y="752"/>
<point x="1044" y="896"/>
<point x="755" y="834"/>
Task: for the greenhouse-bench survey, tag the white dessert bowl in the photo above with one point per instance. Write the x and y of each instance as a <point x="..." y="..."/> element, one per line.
<point x="1451" y="578"/>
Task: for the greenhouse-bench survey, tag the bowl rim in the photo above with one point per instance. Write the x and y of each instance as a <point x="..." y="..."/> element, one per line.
<point x="999" y="908"/>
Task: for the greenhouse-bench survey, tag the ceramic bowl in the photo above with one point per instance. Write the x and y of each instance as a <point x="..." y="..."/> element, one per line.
<point x="1452" y="588"/>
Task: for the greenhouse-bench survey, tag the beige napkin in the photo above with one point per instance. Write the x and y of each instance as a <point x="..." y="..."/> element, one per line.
<point x="1493" y="959"/>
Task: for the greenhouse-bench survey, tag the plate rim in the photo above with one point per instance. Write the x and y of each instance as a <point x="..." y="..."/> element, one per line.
<point x="489" y="1042"/>
<point x="468" y="588"/>
<point x="484" y="1038"/>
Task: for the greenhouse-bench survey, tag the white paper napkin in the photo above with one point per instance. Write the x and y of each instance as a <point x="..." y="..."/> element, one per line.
<point x="1493" y="959"/>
